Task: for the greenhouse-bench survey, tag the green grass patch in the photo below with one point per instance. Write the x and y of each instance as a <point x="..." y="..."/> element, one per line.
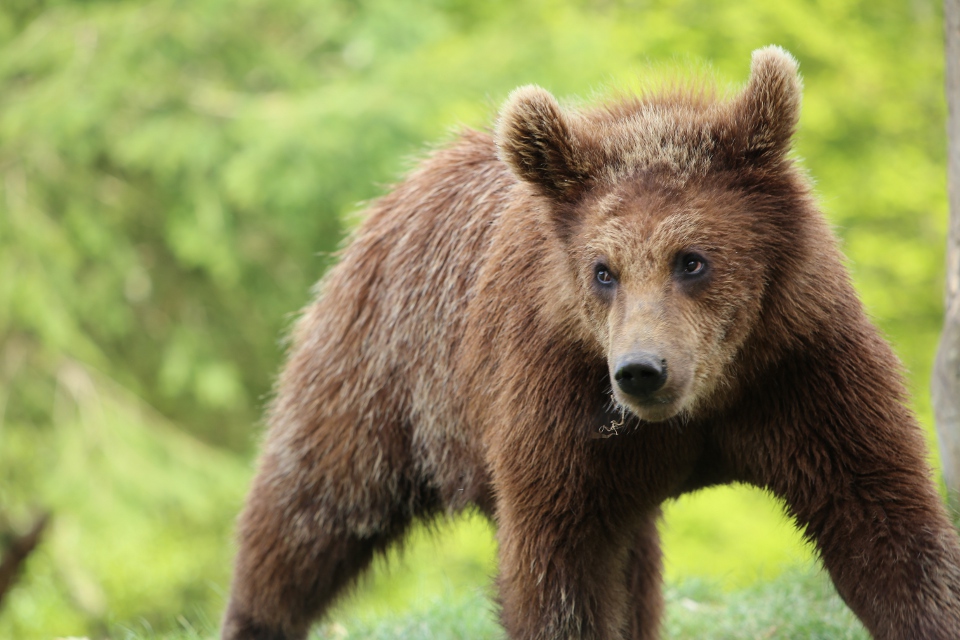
<point x="800" y="604"/>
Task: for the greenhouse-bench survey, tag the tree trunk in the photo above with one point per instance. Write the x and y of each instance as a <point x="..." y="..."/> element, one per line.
<point x="20" y="548"/>
<point x="946" y="372"/>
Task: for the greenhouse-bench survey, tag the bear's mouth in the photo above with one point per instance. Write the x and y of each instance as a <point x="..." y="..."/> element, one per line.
<point x="653" y="409"/>
<point x="657" y="412"/>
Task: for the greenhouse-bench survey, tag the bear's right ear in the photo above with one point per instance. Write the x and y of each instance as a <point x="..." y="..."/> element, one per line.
<point x="540" y="143"/>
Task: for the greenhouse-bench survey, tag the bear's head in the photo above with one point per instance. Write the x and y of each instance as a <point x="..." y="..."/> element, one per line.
<point x="678" y="213"/>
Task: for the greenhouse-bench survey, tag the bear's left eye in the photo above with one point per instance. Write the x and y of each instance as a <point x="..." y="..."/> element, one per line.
<point x="692" y="264"/>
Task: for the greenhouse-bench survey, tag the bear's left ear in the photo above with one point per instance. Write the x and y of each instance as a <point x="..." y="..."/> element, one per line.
<point x="543" y="145"/>
<point x="769" y="108"/>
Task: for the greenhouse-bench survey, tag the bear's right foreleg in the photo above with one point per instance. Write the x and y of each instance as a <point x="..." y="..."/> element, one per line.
<point x="276" y="598"/>
<point x="645" y="581"/>
<point x="311" y="525"/>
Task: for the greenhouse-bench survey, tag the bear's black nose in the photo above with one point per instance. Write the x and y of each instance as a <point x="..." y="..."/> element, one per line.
<point x="640" y="376"/>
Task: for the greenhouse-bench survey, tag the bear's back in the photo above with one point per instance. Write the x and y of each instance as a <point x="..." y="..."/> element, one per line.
<point x="390" y="316"/>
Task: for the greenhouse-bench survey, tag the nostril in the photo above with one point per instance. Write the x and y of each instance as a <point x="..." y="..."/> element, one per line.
<point x="641" y="376"/>
<point x="640" y="371"/>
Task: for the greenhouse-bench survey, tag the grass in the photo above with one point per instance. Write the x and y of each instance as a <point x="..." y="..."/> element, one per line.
<point x="799" y="604"/>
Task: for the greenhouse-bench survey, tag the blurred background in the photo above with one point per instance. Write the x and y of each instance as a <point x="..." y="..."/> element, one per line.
<point x="174" y="176"/>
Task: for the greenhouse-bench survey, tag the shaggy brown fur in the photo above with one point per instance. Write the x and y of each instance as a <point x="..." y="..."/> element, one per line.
<point x="570" y="322"/>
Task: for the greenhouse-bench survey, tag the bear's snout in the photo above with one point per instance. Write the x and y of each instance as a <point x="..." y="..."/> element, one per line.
<point x="640" y="376"/>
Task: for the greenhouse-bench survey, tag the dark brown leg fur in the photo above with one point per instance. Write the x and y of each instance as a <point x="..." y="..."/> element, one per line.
<point x="311" y="527"/>
<point x="557" y="583"/>
<point x="849" y="460"/>
<point x="296" y="589"/>
<point x="644" y="582"/>
<point x="562" y="583"/>
<point x="563" y="552"/>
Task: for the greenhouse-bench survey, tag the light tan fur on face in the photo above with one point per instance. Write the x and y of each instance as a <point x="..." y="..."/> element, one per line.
<point x="640" y="238"/>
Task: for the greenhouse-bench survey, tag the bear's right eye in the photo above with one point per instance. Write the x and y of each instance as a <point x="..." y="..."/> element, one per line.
<point x="604" y="276"/>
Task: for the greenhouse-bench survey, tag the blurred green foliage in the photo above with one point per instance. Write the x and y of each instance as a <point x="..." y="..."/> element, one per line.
<point x="171" y="170"/>
<point x="174" y="176"/>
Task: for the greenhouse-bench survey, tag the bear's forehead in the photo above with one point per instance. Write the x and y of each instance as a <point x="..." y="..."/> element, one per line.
<point x="679" y="141"/>
<point x="639" y="215"/>
<point x="645" y="224"/>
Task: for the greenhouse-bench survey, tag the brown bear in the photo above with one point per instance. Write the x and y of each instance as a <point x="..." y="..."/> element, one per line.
<point x="568" y="322"/>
